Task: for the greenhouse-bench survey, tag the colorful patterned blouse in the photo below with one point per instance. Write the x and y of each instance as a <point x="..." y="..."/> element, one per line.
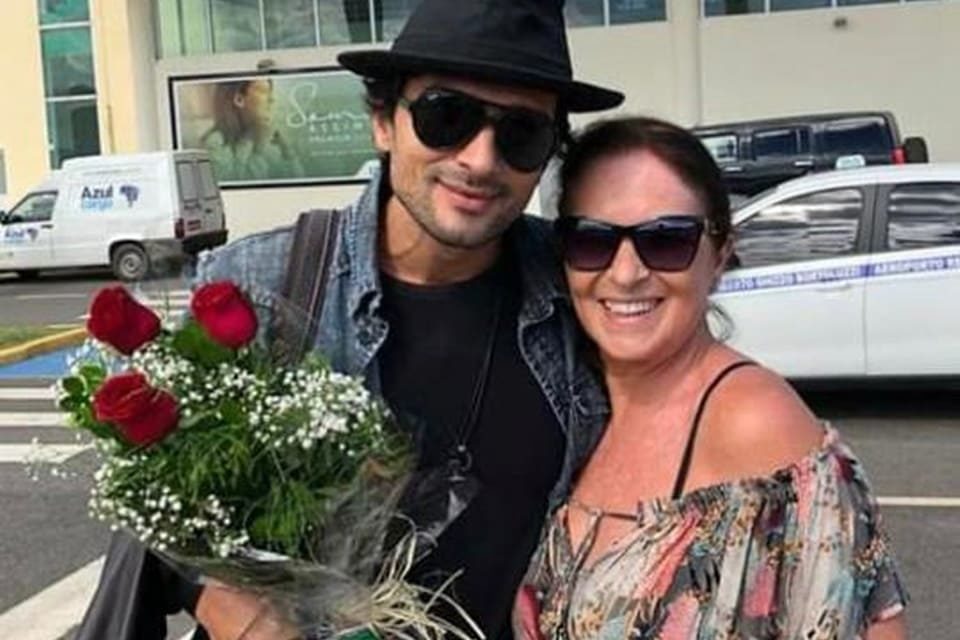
<point x="798" y="554"/>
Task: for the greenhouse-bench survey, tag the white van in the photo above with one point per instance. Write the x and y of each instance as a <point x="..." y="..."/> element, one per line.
<point x="127" y="212"/>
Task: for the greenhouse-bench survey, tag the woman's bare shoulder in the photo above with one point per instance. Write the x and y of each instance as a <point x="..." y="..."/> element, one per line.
<point x="755" y="423"/>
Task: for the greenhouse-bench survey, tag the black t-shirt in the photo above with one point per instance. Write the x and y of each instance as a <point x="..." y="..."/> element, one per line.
<point x="429" y="366"/>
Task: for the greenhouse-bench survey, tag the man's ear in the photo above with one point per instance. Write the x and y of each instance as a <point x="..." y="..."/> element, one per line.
<point x="239" y="100"/>
<point x="382" y="126"/>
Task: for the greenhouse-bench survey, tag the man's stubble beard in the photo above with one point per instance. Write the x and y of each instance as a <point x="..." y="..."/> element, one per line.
<point x="420" y="208"/>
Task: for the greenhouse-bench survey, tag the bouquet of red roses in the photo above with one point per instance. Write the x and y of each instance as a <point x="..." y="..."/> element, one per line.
<point x="281" y="478"/>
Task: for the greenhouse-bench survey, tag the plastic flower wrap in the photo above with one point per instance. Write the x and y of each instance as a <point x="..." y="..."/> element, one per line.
<point x="283" y="479"/>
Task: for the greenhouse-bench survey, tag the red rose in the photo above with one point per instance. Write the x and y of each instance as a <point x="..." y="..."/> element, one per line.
<point x="224" y="313"/>
<point x="141" y="413"/>
<point x="120" y="321"/>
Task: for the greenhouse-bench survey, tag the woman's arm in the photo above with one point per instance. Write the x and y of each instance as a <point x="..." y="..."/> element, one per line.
<point x="894" y="628"/>
<point x="231" y="614"/>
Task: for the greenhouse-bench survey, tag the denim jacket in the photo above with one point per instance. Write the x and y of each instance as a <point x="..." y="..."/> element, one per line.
<point x="351" y="330"/>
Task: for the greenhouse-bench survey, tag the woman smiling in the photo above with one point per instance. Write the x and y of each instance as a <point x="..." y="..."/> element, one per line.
<point x="716" y="505"/>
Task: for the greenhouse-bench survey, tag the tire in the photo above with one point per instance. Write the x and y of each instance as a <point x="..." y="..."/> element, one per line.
<point x="129" y="262"/>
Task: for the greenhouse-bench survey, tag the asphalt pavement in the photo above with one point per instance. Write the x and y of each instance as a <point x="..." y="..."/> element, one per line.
<point x="909" y="441"/>
<point x="62" y="298"/>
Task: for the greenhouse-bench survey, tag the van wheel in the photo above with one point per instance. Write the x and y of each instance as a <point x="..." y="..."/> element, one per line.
<point x="130" y="262"/>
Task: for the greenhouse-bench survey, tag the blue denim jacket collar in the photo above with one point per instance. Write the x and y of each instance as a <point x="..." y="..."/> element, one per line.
<point x="542" y="282"/>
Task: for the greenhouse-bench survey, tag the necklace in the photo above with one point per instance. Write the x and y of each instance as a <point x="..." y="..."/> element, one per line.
<point x="460" y="460"/>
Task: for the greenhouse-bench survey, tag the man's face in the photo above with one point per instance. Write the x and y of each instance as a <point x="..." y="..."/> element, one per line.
<point x="467" y="196"/>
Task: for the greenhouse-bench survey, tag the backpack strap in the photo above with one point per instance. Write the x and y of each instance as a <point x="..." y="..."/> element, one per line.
<point x="308" y="267"/>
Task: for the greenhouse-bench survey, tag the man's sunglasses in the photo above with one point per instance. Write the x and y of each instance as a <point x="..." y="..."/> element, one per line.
<point x="668" y="243"/>
<point x="445" y="119"/>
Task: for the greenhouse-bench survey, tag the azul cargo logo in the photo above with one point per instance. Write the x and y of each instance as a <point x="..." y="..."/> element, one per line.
<point x="131" y="192"/>
<point x="96" y="198"/>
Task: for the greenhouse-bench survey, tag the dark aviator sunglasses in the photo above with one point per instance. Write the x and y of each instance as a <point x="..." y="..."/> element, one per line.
<point x="667" y="243"/>
<point x="447" y="119"/>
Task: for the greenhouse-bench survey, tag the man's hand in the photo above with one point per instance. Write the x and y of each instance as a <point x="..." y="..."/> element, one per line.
<point x="231" y="614"/>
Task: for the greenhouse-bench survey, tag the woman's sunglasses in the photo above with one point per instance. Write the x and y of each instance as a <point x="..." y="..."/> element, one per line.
<point x="668" y="243"/>
<point x="445" y="119"/>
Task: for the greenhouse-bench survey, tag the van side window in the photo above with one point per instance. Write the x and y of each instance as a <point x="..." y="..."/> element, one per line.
<point x="36" y="207"/>
<point x="857" y="137"/>
<point x="923" y="215"/>
<point x="187" y="181"/>
<point x="790" y="141"/>
<point x="811" y="227"/>
<point x="722" y="147"/>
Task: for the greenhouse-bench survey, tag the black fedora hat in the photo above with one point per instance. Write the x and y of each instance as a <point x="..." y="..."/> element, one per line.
<point x="522" y="42"/>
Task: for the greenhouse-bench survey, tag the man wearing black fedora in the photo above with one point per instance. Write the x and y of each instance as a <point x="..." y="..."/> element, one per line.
<point x="445" y="297"/>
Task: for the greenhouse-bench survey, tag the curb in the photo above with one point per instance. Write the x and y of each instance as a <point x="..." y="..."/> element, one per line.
<point x="40" y="346"/>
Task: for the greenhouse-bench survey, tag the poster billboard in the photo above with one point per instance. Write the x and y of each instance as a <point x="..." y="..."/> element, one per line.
<point x="277" y="128"/>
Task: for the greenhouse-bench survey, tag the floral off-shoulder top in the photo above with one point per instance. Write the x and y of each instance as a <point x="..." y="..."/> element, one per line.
<point x="798" y="554"/>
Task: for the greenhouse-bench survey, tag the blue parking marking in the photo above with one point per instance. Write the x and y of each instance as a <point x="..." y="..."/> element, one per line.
<point x="733" y="283"/>
<point x="50" y="365"/>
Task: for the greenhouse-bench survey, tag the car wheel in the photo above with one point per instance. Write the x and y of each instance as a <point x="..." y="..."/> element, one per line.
<point x="130" y="262"/>
<point x="27" y="274"/>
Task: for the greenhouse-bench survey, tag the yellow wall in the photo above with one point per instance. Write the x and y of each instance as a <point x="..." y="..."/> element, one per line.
<point x="23" y="132"/>
<point x="124" y="59"/>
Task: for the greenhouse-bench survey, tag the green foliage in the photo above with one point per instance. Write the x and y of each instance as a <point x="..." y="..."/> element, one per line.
<point x="193" y="343"/>
<point x="240" y="439"/>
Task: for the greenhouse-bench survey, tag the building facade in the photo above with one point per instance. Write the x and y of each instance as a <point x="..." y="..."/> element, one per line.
<point x="115" y="76"/>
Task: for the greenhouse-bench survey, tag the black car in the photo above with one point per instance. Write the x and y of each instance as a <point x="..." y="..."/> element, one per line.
<point x="757" y="154"/>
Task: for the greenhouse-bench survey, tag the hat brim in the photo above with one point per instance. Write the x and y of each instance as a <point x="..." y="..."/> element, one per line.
<point x="576" y="97"/>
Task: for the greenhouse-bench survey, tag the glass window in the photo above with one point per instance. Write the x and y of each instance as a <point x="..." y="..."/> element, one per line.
<point x="169" y="28"/>
<point x="790" y="5"/>
<point x="208" y="185"/>
<point x="732" y="7"/>
<point x="72" y="129"/>
<point x="67" y="62"/>
<point x="722" y="147"/>
<point x="583" y="13"/>
<point x="59" y="11"/>
<point x="811" y="227"/>
<point x="391" y="16"/>
<point x="236" y="25"/>
<point x="775" y="143"/>
<point x="183" y="27"/>
<point x="857" y="136"/>
<point x="343" y="21"/>
<point x="290" y="23"/>
<point x="923" y="215"/>
<point x="625" y="11"/>
<point x="846" y="3"/>
<point x="187" y="181"/>
<point x="36" y="207"/>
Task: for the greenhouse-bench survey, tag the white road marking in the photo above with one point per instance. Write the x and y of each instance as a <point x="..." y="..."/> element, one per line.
<point x="919" y="501"/>
<point x="27" y="393"/>
<point x="33" y="419"/>
<point x="45" y="453"/>
<point x="55" y="610"/>
<point x="51" y="296"/>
